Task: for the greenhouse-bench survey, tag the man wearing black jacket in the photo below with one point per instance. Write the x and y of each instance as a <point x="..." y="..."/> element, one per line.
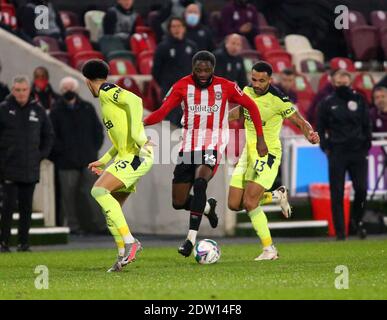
<point x="26" y="137"/>
<point x="79" y="136"/>
<point x="172" y="61"/>
<point x="344" y="126"/>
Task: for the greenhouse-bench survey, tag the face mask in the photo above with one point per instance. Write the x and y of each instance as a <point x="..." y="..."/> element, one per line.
<point x="69" y="95"/>
<point x="192" y="19"/>
<point x="41" y="84"/>
<point x="344" y="92"/>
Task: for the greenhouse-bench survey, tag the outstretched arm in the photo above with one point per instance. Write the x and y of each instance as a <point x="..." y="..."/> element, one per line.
<point x="171" y="101"/>
<point x="298" y="120"/>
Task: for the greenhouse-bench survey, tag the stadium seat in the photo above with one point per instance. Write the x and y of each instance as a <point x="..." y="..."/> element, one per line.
<point x="279" y="60"/>
<point x="62" y="56"/>
<point x="362" y="39"/>
<point x="383" y="41"/>
<point x="305" y="93"/>
<point x="265" y="43"/>
<point x="300" y="49"/>
<point x="94" y="23"/>
<point x="8" y="15"/>
<point x="142" y="41"/>
<point x="147" y="30"/>
<point x="324" y="79"/>
<point x="69" y="19"/>
<point x="78" y="43"/>
<point x="264" y="27"/>
<point x="152" y="95"/>
<point x="145" y="62"/>
<point x="311" y="66"/>
<point x="379" y="19"/>
<point x="47" y="44"/>
<point x="364" y="84"/>
<point x="121" y="54"/>
<point x="121" y="67"/>
<point x="342" y="63"/>
<point x="77" y="30"/>
<point x="128" y="83"/>
<point x="110" y="43"/>
<point x="80" y="58"/>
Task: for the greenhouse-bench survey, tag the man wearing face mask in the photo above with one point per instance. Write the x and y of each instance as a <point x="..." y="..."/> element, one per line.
<point x="79" y="136"/>
<point x="172" y="61"/>
<point x="344" y="125"/>
<point x="240" y="17"/>
<point x="42" y="90"/>
<point x="196" y="31"/>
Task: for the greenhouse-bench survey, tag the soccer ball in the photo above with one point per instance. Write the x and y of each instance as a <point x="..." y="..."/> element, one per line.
<point x="206" y="251"/>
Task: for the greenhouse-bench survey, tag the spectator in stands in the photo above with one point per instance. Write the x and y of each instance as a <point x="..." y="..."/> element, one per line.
<point x="311" y="114"/>
<point x="287" y="81"/>
<point x="344" y="126"/>
<point x="79" y="136"/>
<point x="121" y="20"/>
<point x="4" y="91"/>
<point x="196" y="31"/>
<point x="26" y="17"/>
<point x="240" y="17"/>
<point x="172" y="61"/>
<point x="174" y="8"/>
<point x="42" y="90"/>
<point x="379" y="113"/>
<point x="228" y="62"/>
<point x="26" y="137"/>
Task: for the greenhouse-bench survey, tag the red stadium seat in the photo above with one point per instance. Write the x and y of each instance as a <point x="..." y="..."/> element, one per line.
<point x="128" y="83"/>
<point x="364" y="83"/>
<point x="147" y="30"/>
<point x="383" y="41"/>
<point x="325" y="78"/>
<point x="78" y="30"/>
<point x="305" y="93"/>
<point x="342" y="63"/>
<point x="265" y="43"/>
<point x="47" y="44"/>
<point x="78" y="43"/>
<point x="152" y="98"/>
<point x="142" y="41"/>
<point x="264" y="27"/>
<point x="62" y="56"/>
<point x="69" y="19"/>
<point x="279" y="60"/>
<point x="122" y="67"/>
<point x="379" y="19"/>
<point x="8" y="15"/>
<point x="145" y="62"/>
<point x="361" y="39"/>
<point x="80" y="58"/>
<point x="311" y="66"/>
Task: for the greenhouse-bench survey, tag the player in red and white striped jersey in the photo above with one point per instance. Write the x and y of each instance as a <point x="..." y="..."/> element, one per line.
<point x="204" y="99"/>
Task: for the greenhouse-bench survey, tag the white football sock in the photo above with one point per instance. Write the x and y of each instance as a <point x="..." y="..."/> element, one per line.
<point x="192" y="236"/>
<point x="128" y="238"/>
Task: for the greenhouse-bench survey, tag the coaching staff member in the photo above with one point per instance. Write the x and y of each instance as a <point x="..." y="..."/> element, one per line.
<point x="26" y="137"/>
<point x="343" y="123"/>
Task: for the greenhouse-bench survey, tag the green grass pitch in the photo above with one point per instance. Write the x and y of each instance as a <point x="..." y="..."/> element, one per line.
<point x="304" y="271"/>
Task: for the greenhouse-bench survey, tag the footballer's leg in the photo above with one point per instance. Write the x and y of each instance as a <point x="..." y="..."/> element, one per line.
<point x="198" y="204"/>
<point x="251" y="199"/>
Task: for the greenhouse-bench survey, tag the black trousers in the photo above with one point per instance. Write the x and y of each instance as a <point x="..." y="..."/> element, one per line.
<point x="356" y="163"/>
<point x="21" y="193"/>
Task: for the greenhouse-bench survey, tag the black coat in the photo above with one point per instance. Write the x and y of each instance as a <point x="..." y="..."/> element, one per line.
<point x="344" y="123"/>
<point x="26" y="137"/>
<point x="230" y="67"/>
<point x="79" y="135"/>
<point x="4" y="92"/>
<point x="172" y="61"/>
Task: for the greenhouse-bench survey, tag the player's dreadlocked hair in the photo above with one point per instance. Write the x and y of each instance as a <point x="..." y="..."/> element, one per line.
<point x="204" y="56"/>
<point x="95" y="69"/>
<point x="262" y="66"/>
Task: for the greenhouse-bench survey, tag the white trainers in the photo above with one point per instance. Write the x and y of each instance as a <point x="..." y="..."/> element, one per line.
<point x="269" y="253"/>
<point x="284" y="203"/>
